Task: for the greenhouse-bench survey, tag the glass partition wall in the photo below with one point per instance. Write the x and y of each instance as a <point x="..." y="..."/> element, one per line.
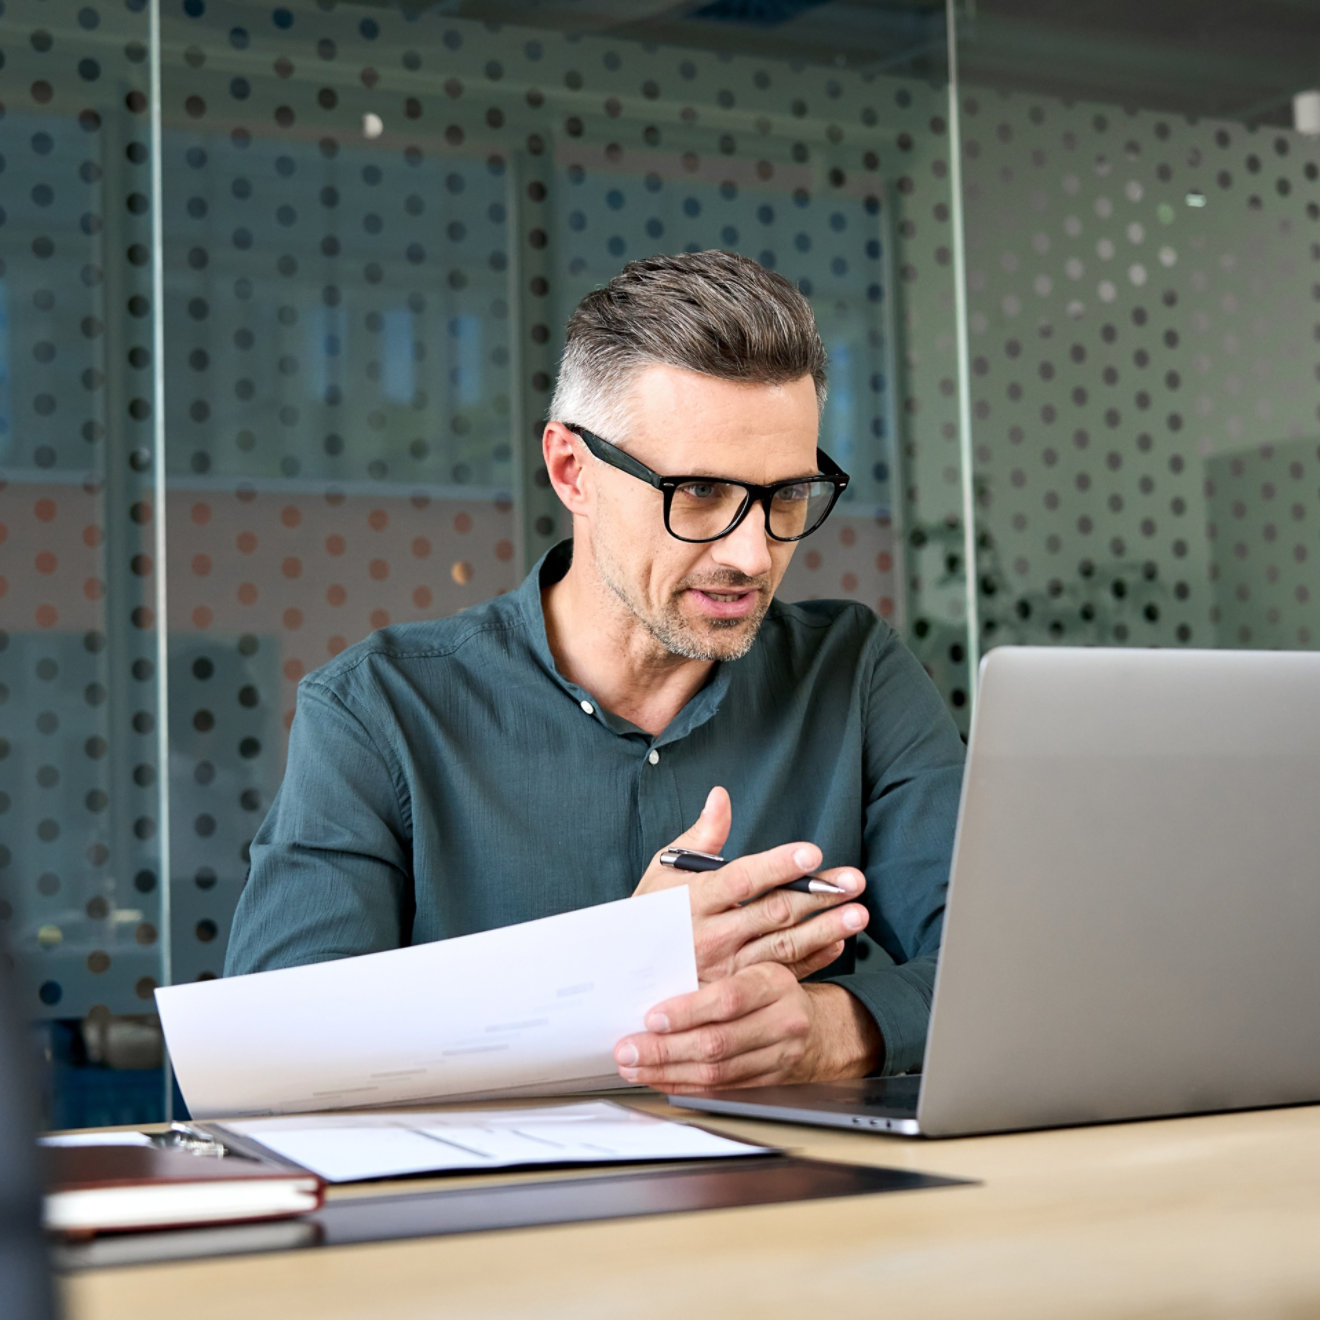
<point x="1143" y="258"/>
<point x="282" y="301"/>
<point x="84" y="886"/>
<point x="281" y="296"/>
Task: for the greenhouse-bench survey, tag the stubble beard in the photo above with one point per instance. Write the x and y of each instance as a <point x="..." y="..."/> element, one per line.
<point x="708" y="640"/>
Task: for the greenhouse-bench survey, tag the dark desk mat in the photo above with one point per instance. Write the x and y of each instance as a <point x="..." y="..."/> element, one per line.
<point x="717" y="1185"/>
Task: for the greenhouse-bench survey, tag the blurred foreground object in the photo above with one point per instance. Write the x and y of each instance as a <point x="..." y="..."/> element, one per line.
<point x="25" y="1285"/>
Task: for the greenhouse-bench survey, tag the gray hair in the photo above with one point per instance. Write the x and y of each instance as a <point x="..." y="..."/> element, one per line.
<point x="712" y="312"/>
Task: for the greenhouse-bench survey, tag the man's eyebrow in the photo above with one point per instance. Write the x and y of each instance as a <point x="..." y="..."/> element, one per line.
<point x="779" y="481"/>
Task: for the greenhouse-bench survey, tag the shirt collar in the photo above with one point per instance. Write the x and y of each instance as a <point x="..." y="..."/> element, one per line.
<point x="549" y="569"/>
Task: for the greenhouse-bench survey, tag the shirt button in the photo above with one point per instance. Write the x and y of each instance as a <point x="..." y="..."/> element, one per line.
<point x="653" y="756"/>
<point x="588" y="707"/>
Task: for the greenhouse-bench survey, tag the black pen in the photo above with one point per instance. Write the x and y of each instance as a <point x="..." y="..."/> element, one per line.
<point x="689" y="859"/>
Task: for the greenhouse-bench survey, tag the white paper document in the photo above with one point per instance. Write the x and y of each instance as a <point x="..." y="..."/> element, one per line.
<point x="536" y="1007"/>
<point x="351" y="1147"/>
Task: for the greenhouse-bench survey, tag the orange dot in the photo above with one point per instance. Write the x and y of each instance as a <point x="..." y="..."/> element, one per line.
<point x="380" y="618"/>
<point x="422" y="597"/>
<point x="378" y="519"/>
<point x="46" y="616"/>
<point x="885" y="605"/>
<point x="334" y="544"/>
<point x="379" y="570"/>
<point x="463" y="522"/>
<point x="290" y="516"/>
<point x="335" y="644"/>
<point x="247" y="593"/>
<point x="92" y="535"/>
<point x="884" y="562"/>
<point x="245" y="493"/>
<point x="812" y="559"/>
<point x="293" y="618"/>
<point x="93" y="588"/>
<point x="504" y="505"/>
<point x="246" y="542"/>
<point x="292" y="567"/>
<point x="294" y="670"/>
<point x="46" y="562"/>
<point x="201" y="565"/>
<point x="45" y="510"/>
<point x="461" y="572"/>
<point x="847" y="535"/>
<point x="336" y="594"/>
<point x="849" y="582"/>
<point x="421" y="547"/>
<point x="200" y="514"/>
<point x="504" y="551"/>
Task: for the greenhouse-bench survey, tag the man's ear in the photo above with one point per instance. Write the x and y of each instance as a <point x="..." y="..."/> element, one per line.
<point x="563" y="454"/>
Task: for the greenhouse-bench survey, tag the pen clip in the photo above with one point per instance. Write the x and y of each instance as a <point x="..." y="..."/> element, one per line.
<point x="195" y="1141"/>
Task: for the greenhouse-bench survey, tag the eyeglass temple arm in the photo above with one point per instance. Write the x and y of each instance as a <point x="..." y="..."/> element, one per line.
<point x="829" y="468"/>
<point x="615" y="456"/>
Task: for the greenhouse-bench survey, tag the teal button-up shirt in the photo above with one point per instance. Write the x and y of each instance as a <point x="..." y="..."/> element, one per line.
<point x="444" y="778"/>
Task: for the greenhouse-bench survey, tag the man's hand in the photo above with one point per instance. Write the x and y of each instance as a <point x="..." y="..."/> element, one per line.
<point x="758" y="1027"/>
<point x="740" y="917"/>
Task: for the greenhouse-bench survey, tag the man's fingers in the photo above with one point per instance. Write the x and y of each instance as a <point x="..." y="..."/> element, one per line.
<point x="751" y="876"/>
<point x="759" y="876"/>
<point x="802" y="943"/>
<point x="721" y="1001"/>
<point x="747" y="1025"/>
<point x="742" y="914"/>
<point x="846" y="877"/>
<point x="708" y="833"/>
<point x="821" y="958"/>
<point x="696" y="1077"/>
<point x="782" y="926"/>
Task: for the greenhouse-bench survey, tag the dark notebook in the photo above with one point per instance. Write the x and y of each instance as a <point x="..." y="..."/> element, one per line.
<point x="104" y="1189"/>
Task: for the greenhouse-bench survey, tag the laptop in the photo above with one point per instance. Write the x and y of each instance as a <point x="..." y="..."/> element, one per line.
<point x="1133" y="907"/>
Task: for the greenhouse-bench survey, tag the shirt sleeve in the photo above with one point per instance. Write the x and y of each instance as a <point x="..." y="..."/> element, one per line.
<point x="913" y="774"/>
<point x="331" y="872"/>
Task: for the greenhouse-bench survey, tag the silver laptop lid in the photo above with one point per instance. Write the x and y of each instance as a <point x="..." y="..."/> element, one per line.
<point x="1135" y="893"/>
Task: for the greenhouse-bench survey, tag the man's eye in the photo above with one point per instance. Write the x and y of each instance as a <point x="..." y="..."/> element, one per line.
<point x="794" y="494"/>
<point x="704" y="491"/>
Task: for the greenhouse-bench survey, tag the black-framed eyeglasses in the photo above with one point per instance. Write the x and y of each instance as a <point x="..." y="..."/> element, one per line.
<point x="703" y="508"/>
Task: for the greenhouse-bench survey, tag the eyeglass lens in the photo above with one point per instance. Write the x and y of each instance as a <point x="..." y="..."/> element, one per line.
<point x="704" y="510"/>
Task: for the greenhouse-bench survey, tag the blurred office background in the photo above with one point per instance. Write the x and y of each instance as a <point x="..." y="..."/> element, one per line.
<point x="281" y="296"/>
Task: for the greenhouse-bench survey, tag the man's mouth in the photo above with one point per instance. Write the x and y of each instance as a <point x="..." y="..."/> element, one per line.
<point x="725" y="604"/>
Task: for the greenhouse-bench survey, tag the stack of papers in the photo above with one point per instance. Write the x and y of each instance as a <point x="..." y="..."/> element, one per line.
<point x="351" y="1147"/>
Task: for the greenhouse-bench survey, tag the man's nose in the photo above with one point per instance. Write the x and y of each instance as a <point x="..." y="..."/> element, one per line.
<point x="747" y="547"/>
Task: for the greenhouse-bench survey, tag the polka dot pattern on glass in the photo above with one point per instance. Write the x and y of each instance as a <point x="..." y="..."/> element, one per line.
<point x="1143" y="305"/>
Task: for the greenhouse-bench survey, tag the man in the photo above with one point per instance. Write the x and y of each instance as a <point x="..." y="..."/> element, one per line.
<point x="537" y="753"/>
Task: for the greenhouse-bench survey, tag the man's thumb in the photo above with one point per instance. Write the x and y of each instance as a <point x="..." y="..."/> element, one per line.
<point x="711" y="829"/>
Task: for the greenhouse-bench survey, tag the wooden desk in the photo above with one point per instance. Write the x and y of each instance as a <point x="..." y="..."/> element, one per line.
<point x="1216" y="1216"/>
